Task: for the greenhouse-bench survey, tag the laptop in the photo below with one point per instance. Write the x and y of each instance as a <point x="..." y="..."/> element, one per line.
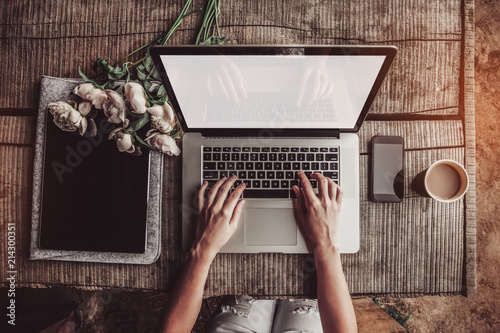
<point x="263" y="113"/>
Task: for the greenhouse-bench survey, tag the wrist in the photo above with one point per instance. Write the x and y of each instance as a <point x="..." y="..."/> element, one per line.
<point x="201" y="256"/>
<point x="324" y="253"/>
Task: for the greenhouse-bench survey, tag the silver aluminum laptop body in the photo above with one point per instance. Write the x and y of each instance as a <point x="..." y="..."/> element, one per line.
<point x="207" y="87"/>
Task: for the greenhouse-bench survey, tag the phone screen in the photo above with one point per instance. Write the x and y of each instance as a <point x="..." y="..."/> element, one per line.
<point x="387" y="169"/>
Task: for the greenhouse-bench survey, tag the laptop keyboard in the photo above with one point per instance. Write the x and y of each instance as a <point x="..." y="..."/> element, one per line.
<point x="269" y="172"/>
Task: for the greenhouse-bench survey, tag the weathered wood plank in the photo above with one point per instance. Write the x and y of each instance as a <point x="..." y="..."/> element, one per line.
<point x="17" y="130"/>
<point x="423" y="80"/>
<point x="470" y="150"/>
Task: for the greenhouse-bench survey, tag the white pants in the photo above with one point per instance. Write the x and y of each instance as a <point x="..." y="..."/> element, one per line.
<point x="245" y="314"/>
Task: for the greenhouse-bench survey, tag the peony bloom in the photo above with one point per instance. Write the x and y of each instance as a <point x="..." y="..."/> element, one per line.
<point x="162" y="142"/>
<point x="68" y="118"/>
<point x="84" y="108"/>
<point x="115" y="108"/>
<point x="88" y="92"/>
<point x="124" y="142"/>
<point x="136" y="96"/>
<point x="162" y="117"/>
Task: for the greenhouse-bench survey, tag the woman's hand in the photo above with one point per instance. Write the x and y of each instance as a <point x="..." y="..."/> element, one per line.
<point x="218" y="219"/>
<point x="319" y="214"/>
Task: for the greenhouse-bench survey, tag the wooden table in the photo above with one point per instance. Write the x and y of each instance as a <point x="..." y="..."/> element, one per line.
<point x="408" y="249"/>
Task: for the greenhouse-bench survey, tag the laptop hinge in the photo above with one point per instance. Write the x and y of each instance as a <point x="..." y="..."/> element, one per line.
<point x="269" y="133"/>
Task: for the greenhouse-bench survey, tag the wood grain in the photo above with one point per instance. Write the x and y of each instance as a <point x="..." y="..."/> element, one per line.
<point x="17" y="130"/>
<point x="423" y="80"/>
<point x="470" y="150"/>
<point x="424" y="238"/>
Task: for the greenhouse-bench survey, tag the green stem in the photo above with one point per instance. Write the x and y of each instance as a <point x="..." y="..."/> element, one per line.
<point x="140" y="48"/>
<point x="204" y="22"/>
<point x="217" y="18"/>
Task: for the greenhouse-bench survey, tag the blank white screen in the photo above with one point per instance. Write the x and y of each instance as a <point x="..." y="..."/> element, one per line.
<point x="204" y="87"/>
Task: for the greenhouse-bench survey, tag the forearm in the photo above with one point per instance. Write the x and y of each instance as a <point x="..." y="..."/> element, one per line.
<point x="184" y="302"/>
<point x="334" y="300"/>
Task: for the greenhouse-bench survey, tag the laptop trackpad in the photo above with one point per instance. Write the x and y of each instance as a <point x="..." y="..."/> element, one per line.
<point x="270" y="226"/>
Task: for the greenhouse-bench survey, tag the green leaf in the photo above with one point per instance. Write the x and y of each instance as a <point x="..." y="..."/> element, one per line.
<point x="84" y="77"/>
<point x="215" y="40"/>
<point x="144" y="143"/>
<point x="155" y="75"/>
<point x="139" y="123"/>
<point x="100" y="65"/>
<point x="148" y="64"/>
<point x="113" y="72"/>
<point x="161" y="90"/>
<point x="147" y="85"/>
<point x="141" y="72"/>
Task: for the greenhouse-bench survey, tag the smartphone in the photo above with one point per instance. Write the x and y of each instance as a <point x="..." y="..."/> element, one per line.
<point x="387" y="171"/>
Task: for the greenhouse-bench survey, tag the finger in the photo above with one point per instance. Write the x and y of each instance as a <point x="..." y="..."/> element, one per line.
<point x="221" y="86"/>
<point x="233" y="199"/>
<point x="307" y="190"/>
<point x="236" y="214"/>
<point x="201" y="196"/>
<point x="340" y="195"/>
<point x="303" y="86"/>
<point x="239" y="79"/>
<point x="230" y="84"/>
<point x="223" y="191"/>
<point x="299" y="202"/>
<point x="213" y="191"/>
<point x="322" y="186"/>
<point x="332" y="190"/>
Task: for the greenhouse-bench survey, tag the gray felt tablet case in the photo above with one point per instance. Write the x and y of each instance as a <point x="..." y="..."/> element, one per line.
<point x="57" y="89"/>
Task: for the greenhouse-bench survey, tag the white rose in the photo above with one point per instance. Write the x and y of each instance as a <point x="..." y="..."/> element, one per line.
<point x="88" y="92"/>
<point x="162" y="117"/>
<point x="124" y="142"/>
<point x="115" y="108"/>
<point x="136" y="96"/>
<point x="84" y="108"/>
<point x="68" y="118"/>
<point x="162" y="142"/>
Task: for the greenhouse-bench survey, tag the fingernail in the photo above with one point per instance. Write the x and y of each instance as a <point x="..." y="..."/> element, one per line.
<point x="205" y="182"/>
<point x="233" y="176"/>
<point x="295" y="189"/>
<point x="300" y="172"/>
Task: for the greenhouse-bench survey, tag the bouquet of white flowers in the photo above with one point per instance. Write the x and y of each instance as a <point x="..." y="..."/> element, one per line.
<point x="142" y="101"/>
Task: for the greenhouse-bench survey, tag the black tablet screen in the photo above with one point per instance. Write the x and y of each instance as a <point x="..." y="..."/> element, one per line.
<point x="94" y="198"/>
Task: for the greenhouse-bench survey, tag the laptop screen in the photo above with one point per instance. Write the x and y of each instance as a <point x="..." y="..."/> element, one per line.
<point x="285" y="90"/>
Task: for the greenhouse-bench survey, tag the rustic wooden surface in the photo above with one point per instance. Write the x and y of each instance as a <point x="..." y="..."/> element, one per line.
<point x="58" y="36"/>
<point x="413" y="248"/>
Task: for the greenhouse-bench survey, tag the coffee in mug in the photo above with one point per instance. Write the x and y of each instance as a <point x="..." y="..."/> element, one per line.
<point x="444" y="180"/>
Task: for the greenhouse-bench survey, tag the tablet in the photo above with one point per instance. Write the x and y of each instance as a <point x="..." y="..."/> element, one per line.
<point x="91" y="202"/>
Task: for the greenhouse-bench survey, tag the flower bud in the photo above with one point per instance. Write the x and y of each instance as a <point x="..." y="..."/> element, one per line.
<point x="67" y="118"/>
<point x="115" y="108"/>
<point x="90" y="93"/>
<point x="162" y="142"/>
<point x="136" y="96"/>
<point x="162" y="117"/>
<point x="124" y="142"/>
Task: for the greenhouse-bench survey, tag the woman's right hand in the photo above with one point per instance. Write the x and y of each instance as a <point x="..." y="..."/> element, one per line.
<point x="319" y="214"/>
